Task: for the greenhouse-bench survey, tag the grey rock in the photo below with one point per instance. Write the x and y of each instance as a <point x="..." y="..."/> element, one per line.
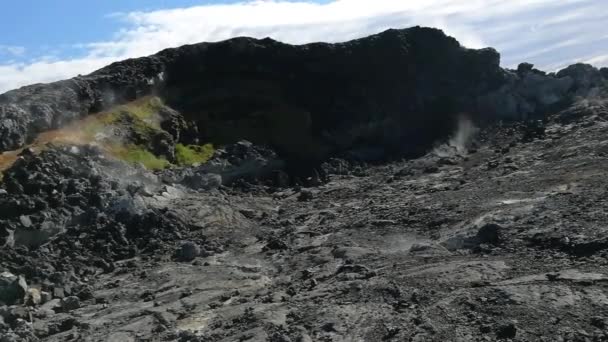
<point x="13" y="289"/>
<point x="305" y="195"/>
<point x="58" y="292"/>
<point x="490" y="233"/>
<point x="45" y="297"/>
<point x="585" y="77"/>
<point x="33" y="297"/>
<point x="523" y="96"/>
<point x="188" y="251"/>
<point x="242" y="160"/>
<point x="51" y="305"/>
<point x="506" y="331"/>
<point x="203" y="181"/>
<point x="33" y="237"/>
<point x="25" y="221"/>
<point x="70" y="303"/>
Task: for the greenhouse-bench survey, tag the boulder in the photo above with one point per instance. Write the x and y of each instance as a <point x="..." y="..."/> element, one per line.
<point x="188" y="251"/>
<point x="13" y="288"/>
<point x="525" y="94"/>
<point x="242" y="160"/>
<point x="506" y="331"/>
<point x="490" y="233"/>
<point x="45" y="297"/>
<point x="6" y="237"/>
<point x="585" y="77"/>
<point x="70" y="303"/>
<point x="33" y="237"/>
<point x="25" y="221"/>
<point x="524" y="68"/>
<point x="33" y="297"/>
<point x="203" y="181"/>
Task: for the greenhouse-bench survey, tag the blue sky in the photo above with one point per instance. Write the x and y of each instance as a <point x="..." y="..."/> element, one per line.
<point x="48" y="40"/>
<point x="58" y="27"/>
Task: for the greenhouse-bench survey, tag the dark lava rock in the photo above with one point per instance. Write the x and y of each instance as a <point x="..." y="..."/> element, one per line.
<point x="490" y="233"/>
<point x="203" y="181"/>
<point x="188" y="251"/>
<point x="585" y="77"/>
<point x="524" y="68"/>
<point x="505" y="331"/>
<point x="13" y="289"/>
<point x="307" y="101"/>
<point x="242" y="160"/>
<point x="599" y="322"/>
<point x="275" y="243"/>
<point x="305" y="195"/>
<point x="70" y="303"/>
<point x="416" y="70"/>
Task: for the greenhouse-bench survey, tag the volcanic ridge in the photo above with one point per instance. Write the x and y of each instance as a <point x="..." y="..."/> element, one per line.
<point x="398" y="187"/>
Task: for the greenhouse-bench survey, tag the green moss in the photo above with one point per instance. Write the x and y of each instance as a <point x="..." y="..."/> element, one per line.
<point x="140" y="116"/>
<point x="137" y="121"/>
<point x="92" y="128"/>
<point x="138" y="155"/>
<point x="142" y="110"/>
<point x="193" y="154"/>
<point x="145" y="108"/>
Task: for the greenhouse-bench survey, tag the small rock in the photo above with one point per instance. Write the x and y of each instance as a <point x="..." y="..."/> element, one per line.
<point x="12" y="288"/>
<point x="305" y="195"/>
<point x="358" y="271"/>
<point x="19" y="312"/>
<point x="599" y="322"/>
<point x="485" y="328"/>
<point x="34" y="297"/>
<point x="350" y="252"/>
<point x="85" y="293"/>
<point x="490" y="233"/>
<point x="25" y="221"/>
<point x="248" y="213"/>
<point x="275" y="243"/>
<point x="70" y="303"/>
<point x="508" y="330"/>
<point x="58" y="292"/>
<point x="383" y="223"/>
<point x="188" y="251"/>
<point x="281" y="179"/>
<point x="52" y="305"/>
<point x="203" y="181"/>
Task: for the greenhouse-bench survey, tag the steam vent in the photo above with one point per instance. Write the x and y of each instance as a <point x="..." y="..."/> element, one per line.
<point x="398" y="187"/>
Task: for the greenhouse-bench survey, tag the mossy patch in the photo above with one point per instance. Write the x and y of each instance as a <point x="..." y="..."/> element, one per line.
<point x="135" y="154"/>
<point x="144" y="109"/>
<point x="135" y="124"/>
<point x="186" y="155"/>
<point x="128" y="132"/>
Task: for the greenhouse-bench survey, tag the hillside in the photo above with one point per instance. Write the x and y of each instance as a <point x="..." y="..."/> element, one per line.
<point x="398" y="187"/>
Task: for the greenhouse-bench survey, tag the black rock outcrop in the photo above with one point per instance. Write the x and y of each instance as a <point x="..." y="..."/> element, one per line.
<point x="399" y="90"/>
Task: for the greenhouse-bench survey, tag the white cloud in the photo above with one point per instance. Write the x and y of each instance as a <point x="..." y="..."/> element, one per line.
<point x="549" y="33"/>
<point x="12" y="50"/>
<point x="18" y="74"/>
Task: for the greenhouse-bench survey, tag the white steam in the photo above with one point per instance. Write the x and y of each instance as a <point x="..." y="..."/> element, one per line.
<point x="459" y="142"/>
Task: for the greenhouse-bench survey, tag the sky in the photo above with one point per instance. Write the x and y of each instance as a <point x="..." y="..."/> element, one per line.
<point x="45" y="41"/>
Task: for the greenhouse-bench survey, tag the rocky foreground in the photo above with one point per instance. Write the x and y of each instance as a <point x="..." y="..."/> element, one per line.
<point x="493" y="227"/>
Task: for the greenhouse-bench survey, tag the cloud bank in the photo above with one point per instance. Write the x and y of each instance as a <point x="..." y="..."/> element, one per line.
<point x="548" y="33"/>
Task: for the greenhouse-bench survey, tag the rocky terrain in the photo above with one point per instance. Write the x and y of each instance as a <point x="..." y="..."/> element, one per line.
<point x="394" y="188"/>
